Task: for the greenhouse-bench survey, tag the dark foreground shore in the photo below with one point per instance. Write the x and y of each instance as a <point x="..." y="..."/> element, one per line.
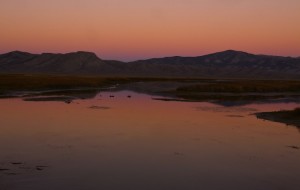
<point x="291" y="117"/>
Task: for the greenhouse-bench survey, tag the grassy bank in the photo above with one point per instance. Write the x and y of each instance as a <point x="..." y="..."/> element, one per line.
<point x="194" y="85"/>
<point x="194" y="89"/>
<point x="288" y="117"/>
<point x="244" y="86"/>
<point x="36" y="82"/>
<point x="9" y="82"/>
<point x="239" y="90"/>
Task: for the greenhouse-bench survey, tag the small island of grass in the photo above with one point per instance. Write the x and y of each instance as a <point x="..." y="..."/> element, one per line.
<point x="291" y="117"/>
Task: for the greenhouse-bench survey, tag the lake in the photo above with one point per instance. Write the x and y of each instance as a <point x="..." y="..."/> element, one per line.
<point x="116" y="142"/>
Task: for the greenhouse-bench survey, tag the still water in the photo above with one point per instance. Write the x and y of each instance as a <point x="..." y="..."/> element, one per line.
<point x="137" y="143"/>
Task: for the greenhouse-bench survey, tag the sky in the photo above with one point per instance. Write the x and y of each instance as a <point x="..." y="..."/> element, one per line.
<point x="138" y="29"/>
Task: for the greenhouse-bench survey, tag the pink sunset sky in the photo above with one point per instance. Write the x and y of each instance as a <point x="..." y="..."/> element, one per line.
<point x="138" y="29"/>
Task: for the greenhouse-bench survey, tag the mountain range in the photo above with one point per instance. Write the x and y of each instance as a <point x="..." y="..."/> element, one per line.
<point x="226" y="64"/>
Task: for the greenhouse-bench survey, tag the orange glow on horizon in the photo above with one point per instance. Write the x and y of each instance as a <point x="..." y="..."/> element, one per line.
<point x="135" y="29"/>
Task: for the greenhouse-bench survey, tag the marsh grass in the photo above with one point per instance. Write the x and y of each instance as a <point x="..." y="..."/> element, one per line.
<point x="244" y="86"/>
<point x="226" y="97"/>
<point x="194" y="89"/>
<point x="46" y="82"/>
<point x="35" y="82"/>
<point x="289" y="117"/>
<point x="288" y="114"/>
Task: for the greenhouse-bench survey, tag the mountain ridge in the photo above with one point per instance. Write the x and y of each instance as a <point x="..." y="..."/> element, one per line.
<point x="229" y="63"/>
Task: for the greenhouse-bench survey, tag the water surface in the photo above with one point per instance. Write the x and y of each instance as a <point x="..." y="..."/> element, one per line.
<point x="113" y="141"/>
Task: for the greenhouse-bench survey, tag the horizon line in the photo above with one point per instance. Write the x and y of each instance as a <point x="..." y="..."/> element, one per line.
<point x="162" y="57"/>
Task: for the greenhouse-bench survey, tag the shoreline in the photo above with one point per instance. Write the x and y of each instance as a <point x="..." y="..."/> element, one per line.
<point x="288" y="117"/>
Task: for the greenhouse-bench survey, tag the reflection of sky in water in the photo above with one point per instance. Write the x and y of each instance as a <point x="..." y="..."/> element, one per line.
<point x="140" y="143"/>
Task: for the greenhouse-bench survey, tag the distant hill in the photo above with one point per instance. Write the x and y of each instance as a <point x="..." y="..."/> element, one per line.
<point x="70" y="63"/>
<point x="226" y="64"/>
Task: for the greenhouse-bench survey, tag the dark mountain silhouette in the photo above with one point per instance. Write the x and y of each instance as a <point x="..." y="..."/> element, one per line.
<point x="228" y="64"/>
<point x="70" y="63"/>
